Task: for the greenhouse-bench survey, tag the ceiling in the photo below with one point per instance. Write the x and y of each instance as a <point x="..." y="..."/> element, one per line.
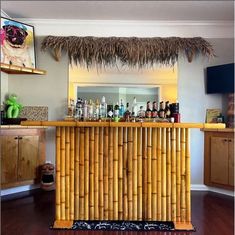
<point x="122" y="10"/>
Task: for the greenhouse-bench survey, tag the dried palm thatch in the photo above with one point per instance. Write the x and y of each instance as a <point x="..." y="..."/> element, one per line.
<point x="132" y="51"/>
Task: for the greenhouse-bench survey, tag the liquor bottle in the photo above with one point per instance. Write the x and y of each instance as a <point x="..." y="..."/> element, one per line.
<point x="148" y="112"/>
<point x="103" y="108"/>
<point x="78" y="114"/>
<point x="134" y="108"/>
<point x="85" y="110"/>
<point x="116" y="112"/>
<point x="90" y="109"/>
<point x="167" y="110"/>
<point x="161" y="112"/>
<point x="110" y="111"/>
<point x="141" y="112"/>
<point x="71" y="108"/>
<point x="127" y="114"/>
<point x="154" y="110"/>
<point x="121" y="109"/>
<point x="97" y="110"/>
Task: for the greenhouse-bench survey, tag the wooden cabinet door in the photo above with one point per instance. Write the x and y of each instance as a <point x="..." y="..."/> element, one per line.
<point x="9" y="158"/>
<point x="231" y="161"/>
<point x="219" y="160"/>
<point x="28" y="157"/>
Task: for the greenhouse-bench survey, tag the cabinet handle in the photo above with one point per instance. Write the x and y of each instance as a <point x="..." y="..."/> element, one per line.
<point x="16" y="138"/>
<point x="20" y="138"/>
<point x="225" y="140"/>
<point x="229" y="140"/>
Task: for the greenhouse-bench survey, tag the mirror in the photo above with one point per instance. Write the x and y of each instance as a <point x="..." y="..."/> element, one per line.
<point x="158" y="83"/>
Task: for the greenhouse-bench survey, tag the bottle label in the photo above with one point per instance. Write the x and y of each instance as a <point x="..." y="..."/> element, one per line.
<point x="154" y="114"/>
<point x="110" y="113"/>
<point x="148" y="114"/>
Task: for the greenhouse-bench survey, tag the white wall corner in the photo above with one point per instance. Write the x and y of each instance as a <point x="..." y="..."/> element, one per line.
<point x="4" y="14"/>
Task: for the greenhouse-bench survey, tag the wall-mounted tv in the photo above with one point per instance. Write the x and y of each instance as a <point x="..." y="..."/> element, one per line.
<point x="220" y="79"/>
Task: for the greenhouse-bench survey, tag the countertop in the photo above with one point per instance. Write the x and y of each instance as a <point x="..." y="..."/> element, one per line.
<point x="218" y="130"/>
<point x="21" y="127"/>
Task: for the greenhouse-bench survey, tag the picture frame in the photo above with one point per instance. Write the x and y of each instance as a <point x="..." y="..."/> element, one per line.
<point x="212" y="115"/>
<point x="17" y="43"/>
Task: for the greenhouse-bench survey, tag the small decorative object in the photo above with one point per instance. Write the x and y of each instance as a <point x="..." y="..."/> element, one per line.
<point x="47" y="177"/>
<point x="17" y="43"/>
<point x="13" y="107"/>
<point x="212" y="115"/>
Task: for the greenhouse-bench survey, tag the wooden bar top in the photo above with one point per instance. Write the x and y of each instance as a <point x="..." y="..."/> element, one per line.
<point x="124" y="124"/>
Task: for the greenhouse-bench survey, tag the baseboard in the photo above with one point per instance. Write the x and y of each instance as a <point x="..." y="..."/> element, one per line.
<point x="19" y="189"/>
<point x="203" y="187"/>
<point x="194" y="187"/>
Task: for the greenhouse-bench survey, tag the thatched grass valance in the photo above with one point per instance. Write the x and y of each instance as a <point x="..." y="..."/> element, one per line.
<point x="132" y="51"/>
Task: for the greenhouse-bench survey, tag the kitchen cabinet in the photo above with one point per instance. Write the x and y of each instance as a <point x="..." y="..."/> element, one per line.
<point x="219" y="158"/>
<point x="22" y="154"/>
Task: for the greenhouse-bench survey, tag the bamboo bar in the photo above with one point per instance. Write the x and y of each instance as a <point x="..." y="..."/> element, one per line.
<point x="123" y="171"/>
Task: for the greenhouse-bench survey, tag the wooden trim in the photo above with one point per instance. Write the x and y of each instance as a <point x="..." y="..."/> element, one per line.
<point x="124" y="124"/>
<point x="63" y="224"/>
<point x="183" y="226"/>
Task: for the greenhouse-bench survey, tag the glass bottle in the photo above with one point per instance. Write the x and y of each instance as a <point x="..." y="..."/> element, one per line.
<point x="103" y="108"/>
<point x="90" y="110"/>
<point x="121" y="109"/>
<point x="97" y="110"/>
<point x="154" y="110"/>
<point x="148" y="112"/>
<point x="78" y="114"/>
<point x="110" y="111"/>
<point x="116" y="113"/>
<point x="71" y="108"/>
<point x="161" y="112"/>
<point x="134" y="108"/>
<point x="127" y="114"/>
<point x="167" y="110"/>
<point x="85" y="110"/>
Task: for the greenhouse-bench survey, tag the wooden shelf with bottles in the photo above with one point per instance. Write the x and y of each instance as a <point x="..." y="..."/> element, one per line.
<point x="14" y="69"/>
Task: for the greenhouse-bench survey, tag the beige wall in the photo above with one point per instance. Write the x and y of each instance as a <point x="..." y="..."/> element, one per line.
<point x="4" y="86"/>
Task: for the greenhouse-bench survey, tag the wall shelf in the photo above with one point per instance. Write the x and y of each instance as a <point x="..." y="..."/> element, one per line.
<point x="14" y="69"/>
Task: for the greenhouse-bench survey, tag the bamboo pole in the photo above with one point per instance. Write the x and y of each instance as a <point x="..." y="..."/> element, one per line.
<point x="101" y="176"/>
<point x="76" y="174"/>
<point x="173" y="175"/>
<point x="168" y="174"/>
<point x="149" y="174"/>
<point x="178" y="175"/>
<point x="125" y="175"/>
<point x="67" y="173"/>
<point x="115" y="173"/>
<point x="106" y="174"/>
<point x="139" y="177"/>
<point x="154" y="174"/>
<point x="129" y="174"/>
<point x="96" y="175"/>
<point x="110" y="193"/>
<point x="159" y="174"/>
<point x="58" y="175"/>
<point x="164" y="174"/>
<point x="91" y="172"/>
<point x="82" y="174"/>
<point x="62" y="161"/>
<point x="72" y="155"/>
<point x="86" y="175"/>
<point x="183" y="202"/>
<point x="144" y="172"/>
<point x="135" y="175"/>
<point x="188" y="183"/>
<point x="120" y="173"/>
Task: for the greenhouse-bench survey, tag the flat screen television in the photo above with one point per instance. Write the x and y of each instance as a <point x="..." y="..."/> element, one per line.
<point x="220" y="79"/>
